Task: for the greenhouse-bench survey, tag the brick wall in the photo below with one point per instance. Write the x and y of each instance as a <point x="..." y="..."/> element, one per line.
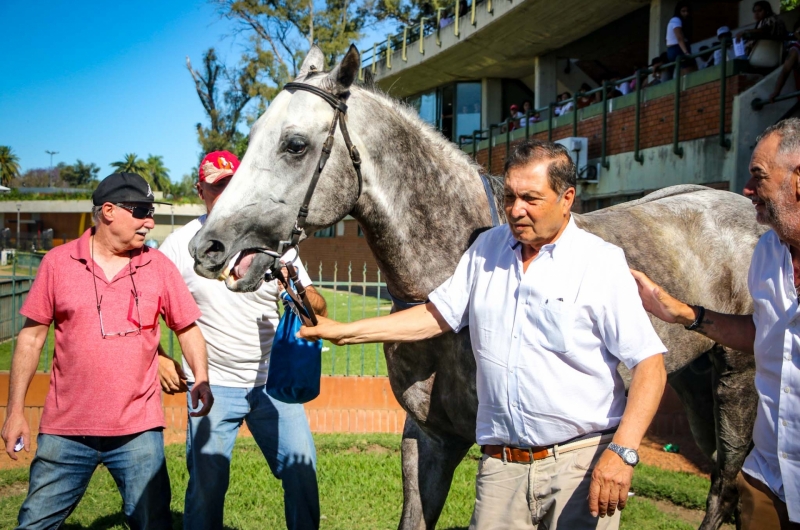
<point x="346" y="249"/>
<point x="345" y="404"/>
<point x="699" y="118"/>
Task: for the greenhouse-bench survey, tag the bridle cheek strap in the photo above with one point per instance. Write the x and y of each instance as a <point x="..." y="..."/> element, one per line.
<point x="339" y="112"/>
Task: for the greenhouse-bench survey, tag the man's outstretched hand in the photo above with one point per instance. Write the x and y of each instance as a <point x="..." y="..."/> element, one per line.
<point x="325" y="329"/>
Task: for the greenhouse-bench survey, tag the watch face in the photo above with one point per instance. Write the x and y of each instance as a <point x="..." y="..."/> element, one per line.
<point x="631" y="457"/>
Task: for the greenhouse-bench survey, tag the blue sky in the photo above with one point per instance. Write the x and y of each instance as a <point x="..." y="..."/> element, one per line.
<point x="95" y="80"/>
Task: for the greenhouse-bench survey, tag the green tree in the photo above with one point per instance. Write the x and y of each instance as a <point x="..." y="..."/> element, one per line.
<point x="280" y="33"/>
<point x="157" y="172"/>
<point x="9" y="165"/>
<point x="80" y="174"/>
<point x="131" y="163"/>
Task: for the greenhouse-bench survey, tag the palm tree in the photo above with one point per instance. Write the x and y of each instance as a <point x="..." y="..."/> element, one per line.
<point x="131" y="164"/>
<point x="9" y="165"/>
<point x="158" y="173"/>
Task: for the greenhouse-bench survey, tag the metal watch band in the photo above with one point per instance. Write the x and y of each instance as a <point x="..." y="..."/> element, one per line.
<point x="622" y="452"/>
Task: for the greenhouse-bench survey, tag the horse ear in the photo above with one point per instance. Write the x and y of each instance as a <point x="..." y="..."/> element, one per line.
<point x="314" y="62"/>
<point x="346" y="71"/>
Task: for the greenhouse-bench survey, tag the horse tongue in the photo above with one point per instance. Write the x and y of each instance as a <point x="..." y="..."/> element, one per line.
<point x="244" y="264"/>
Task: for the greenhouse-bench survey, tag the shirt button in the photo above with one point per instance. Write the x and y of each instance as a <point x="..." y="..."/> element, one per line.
<point x="515" y="335"/>
<point x="784" y="423"/>
<point x="784" y="455"/>
<point x="787" y="357"/>
<point x="512" y="370"/>
<point x="786" y="389"/>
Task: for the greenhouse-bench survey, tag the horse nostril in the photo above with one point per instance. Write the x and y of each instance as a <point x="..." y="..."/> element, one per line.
<point x="214" y="250"/>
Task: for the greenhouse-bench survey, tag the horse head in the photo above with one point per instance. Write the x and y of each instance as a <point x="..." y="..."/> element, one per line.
<point x="259" y="207"/>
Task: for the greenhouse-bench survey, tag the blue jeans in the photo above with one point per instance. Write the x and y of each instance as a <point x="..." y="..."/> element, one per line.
<point x="63" y="465"/>
<point x="280" y="430"/>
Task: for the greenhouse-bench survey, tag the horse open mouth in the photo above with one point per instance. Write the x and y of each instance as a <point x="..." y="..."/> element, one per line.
<point x="245" y="270"/>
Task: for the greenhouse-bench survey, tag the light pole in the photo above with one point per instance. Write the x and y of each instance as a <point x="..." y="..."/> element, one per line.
<point x="51" y="153"/>
<point x="19" y="205"/>
<point x="169" y="197"/>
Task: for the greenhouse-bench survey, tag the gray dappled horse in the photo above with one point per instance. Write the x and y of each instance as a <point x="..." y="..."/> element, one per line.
<point x="422" y="204"/>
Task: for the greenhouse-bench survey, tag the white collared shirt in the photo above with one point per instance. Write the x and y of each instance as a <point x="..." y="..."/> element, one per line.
<point x="775" y="458"/>
<point x="547" y="342"/>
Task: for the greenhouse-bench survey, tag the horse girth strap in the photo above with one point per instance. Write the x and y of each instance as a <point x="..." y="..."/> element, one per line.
<point x="339" y="111"/>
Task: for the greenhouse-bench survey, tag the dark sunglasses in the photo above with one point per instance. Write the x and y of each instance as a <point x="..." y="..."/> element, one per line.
<point x="139" y="212"/>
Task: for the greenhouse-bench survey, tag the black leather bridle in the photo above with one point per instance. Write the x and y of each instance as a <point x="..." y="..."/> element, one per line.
<point x="339" y="112"/>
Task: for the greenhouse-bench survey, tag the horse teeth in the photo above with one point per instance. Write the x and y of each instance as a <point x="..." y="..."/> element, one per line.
<point x="225" y="274"/>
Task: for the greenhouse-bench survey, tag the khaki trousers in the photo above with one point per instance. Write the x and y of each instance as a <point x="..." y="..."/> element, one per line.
<point x="762" y="509"/>
<point x="547" y="494"/>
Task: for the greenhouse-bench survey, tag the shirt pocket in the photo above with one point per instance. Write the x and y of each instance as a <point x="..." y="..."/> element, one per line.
<point x="554" y="325"/>
<point x="146" y="314"/>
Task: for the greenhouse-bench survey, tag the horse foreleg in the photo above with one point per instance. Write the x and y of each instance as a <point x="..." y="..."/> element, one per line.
<point x="428" y="465"/>
<point x="735" y="403"/>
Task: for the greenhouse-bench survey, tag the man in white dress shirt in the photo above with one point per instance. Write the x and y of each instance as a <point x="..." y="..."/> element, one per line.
<point x="769" y="485"/>
<point x="239" y="329"/>
<point x="552" y="310"/>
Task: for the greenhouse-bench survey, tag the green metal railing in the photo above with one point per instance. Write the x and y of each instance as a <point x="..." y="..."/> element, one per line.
<point x="401" y="40"/>
<point x="350" y="297"/>
<point x="603" y="90"/>
<point x="16" y="278"/>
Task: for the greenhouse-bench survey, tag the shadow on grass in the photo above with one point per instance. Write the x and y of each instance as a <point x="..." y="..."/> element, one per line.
<point x="118" y="520"/>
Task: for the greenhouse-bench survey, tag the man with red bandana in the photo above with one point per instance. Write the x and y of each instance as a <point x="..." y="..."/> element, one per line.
<point x="104" y="292"/>
<point x="239" y="329"/>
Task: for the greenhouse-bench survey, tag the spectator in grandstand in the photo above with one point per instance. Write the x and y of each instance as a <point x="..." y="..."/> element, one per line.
<point x="768" y="26"/>
<point x="723" y="32"/>
<point x="527" y="111"/>
<point x="790" y="65"/>
<point x="707" y="59"/>
<point x="463" y="7"/>
<point x="567" y="104"/>
<point x="584" y="100"/>
<point x="514" y="117"/>
<point x="679" y="34"/>
<point x="657" y="73"/>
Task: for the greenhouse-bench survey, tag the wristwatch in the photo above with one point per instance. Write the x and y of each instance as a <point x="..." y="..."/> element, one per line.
<point x="629" y="456"/>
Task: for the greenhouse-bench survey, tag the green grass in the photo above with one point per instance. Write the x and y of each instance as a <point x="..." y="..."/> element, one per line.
<point x="683" y="489"/>
<point x="360" y="488"/>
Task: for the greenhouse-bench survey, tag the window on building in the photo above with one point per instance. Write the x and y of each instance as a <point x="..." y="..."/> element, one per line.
<point x="326" y="232"/>
<point x="427" y="107"/>
<point x="468" y="105"/>
<point x="360" y="232"/>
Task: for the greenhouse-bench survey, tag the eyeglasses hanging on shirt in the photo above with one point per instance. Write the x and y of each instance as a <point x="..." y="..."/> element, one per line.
<point x="99" y="300"/>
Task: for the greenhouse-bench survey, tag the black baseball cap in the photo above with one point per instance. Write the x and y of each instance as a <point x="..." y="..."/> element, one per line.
<point x="124" y="187"/>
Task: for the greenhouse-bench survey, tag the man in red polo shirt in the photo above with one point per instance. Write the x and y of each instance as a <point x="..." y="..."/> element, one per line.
<point x="105" y="292"/>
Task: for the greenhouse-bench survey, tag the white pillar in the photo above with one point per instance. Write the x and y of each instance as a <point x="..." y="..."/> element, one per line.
<point x="545" y="89"/>
<point x="660" y="13"/>
<point x="491" y="101"/>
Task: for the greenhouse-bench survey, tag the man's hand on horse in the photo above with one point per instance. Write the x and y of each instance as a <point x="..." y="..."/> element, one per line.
<point x="659" y="302"/>
<point x="325" y="329"/>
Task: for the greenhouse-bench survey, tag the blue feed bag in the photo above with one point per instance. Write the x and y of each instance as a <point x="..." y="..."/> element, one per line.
<point x="295" y="365"/>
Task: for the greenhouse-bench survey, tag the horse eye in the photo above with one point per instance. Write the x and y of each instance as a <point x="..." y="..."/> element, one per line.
<point x="296" y="146"/>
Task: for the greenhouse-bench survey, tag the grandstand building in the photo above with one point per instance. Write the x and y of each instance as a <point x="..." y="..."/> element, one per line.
<point x="463" y="69"/>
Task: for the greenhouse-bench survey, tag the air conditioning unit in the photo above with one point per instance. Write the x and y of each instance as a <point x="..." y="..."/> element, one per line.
<point x="578" y="148"/>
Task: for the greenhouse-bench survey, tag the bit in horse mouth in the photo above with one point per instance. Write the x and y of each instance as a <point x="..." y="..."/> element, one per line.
<point x="238" y="266"/>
